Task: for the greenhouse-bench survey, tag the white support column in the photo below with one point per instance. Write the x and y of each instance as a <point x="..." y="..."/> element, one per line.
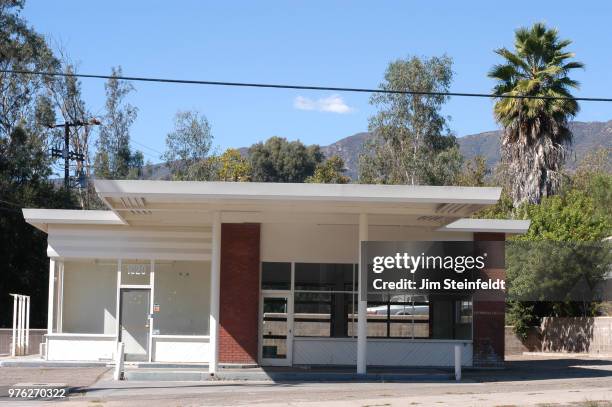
<point x="51" y="300"/>
<point x="362" y="327"/>
<point x="27" y="324"/>
<point x="215" y="284"/>
<point x="118" y="302"/>
<point x="151" y="303"/>
<point x="14" y="340"/>
<point x="60" y="299"/>
<point x="20" y="325"/>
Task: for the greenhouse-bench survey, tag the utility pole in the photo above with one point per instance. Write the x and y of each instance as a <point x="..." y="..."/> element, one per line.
<point x="65" y="153"/>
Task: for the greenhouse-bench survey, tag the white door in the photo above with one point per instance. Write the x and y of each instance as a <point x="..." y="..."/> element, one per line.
<point x="276" y="330"/>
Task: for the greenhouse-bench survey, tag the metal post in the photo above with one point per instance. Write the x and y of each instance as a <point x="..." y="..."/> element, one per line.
<point x="215" y="283"/>
<point x="362" y="309"/>
<point x="457" y="362"/>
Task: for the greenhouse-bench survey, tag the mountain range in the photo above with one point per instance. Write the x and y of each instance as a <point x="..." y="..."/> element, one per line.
<point x="588" y="136"/>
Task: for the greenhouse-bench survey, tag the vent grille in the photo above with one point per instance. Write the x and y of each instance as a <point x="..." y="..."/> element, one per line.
<point x="136" y="205"/>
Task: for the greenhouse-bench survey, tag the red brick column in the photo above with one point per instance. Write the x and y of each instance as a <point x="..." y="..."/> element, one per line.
<point x="489" y="318"/>
<point x="239" y="299"/>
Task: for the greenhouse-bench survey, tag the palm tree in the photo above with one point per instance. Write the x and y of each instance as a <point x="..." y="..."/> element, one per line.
<point x="536" y="132"/>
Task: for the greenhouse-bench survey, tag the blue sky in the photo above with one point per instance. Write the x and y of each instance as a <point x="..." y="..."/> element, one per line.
<point x="334" y="43"/>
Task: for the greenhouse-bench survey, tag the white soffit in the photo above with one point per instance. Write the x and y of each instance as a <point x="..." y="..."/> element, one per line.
<point x="189" y="202"/>
<point x="507" y="226"/>
<point x="40" y="218"/>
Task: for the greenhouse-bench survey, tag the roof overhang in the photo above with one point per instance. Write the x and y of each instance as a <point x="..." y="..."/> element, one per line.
<point x="41" y="218"/>
<point x="507" y="226"/>
<point x="191" y="202"/>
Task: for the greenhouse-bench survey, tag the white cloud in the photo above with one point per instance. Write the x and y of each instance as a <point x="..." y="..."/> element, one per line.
<point x="333" y="104"/>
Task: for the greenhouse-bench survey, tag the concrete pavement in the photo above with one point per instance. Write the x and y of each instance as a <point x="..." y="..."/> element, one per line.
<point x="528" y="380"/>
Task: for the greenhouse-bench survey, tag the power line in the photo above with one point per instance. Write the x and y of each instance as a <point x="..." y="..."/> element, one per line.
<point x="301" y="87"/>
<point x="147" y="147"/>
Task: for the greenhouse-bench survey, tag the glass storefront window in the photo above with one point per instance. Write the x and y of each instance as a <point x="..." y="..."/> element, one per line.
<point x="181" y="301"/>
<point x="89" y="297"/>
<point x="398" y="316"/>
<point x="325" y="305"/>
<point x="324" y="277"/>
<point x="452" y="318"/>
<point x="324" y="314"/>
<point x="324" y="300"/>
<point x="275" y="276"/>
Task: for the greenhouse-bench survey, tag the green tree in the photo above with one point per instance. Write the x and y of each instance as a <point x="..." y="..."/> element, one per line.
<point x="232" y="166"/>
<point x="25" y="112"/>
<point x="474" y="172"/>
<point x="279" y="160"/>
<point x="114" y="157"/>
<point x="536" y="131"/>
<point x="24" y="183"/>
<point x="65" y="98"/>
<point x="594" y="177"/>
<point x="412" y="143"/>
<point x="188" y="147"/>
<point x="136" y="165"/>
<point x="21" y="48"/>
<point x="571" y="217"/>
<point x="330" y="172"/>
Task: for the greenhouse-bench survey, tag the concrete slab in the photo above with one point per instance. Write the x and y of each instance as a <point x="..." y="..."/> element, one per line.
<point x="285" y="375"/>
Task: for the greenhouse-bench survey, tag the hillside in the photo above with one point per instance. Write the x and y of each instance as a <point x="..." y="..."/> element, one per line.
<point x="587" y="137"/>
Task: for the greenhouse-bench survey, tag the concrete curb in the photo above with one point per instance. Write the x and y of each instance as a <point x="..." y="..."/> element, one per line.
<point x="186" y="375"/>
<point x="44" y="363"/>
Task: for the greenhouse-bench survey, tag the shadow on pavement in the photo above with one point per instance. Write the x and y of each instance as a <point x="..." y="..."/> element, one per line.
<point x="545" y="369"/>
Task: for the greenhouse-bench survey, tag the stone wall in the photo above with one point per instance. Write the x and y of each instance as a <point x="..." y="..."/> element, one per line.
<point x="572" y="335"/>
<point x="516" y="346"/>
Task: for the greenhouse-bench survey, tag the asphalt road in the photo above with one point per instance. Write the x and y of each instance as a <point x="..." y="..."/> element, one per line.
<point x="526" y="381"/>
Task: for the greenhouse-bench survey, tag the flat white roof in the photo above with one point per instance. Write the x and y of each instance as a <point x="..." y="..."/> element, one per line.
<point x="42" y="217"/>
<point x="190" y="203"/>
<point x="299" y="192"/>
<point x="508" y="226"/>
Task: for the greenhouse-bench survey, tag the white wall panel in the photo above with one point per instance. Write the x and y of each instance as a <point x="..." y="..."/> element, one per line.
<point x="310" y="242"/>
<point x="323" y="351"/>
<point x="175" y="349"/>
<point x="80" y="347"/>
<point x="381" y="352"/>
<point x="417" y="353"/>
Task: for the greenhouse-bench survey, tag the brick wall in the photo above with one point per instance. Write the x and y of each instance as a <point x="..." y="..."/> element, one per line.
<point x="239" y="300"/>
<point x="489" y="317"/>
